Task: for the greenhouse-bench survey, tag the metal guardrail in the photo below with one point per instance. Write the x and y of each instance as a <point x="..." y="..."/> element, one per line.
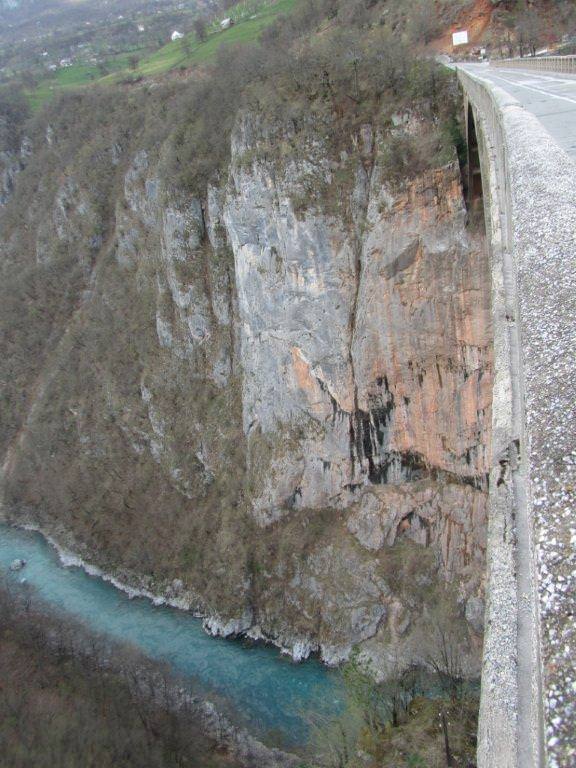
<point x="540" y="63"/>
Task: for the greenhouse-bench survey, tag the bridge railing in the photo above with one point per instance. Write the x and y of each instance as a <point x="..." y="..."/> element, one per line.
<point x="530" y="205"/>
<point x="565" y="64"/>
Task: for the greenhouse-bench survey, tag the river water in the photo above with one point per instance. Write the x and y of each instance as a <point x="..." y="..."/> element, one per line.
<point x="263" y="690"/>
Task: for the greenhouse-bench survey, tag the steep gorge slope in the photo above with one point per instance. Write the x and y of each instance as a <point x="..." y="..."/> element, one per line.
<point x="270" y="403"/>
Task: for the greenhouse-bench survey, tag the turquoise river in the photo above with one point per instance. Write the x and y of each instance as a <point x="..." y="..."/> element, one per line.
<point x="254" y="684"/>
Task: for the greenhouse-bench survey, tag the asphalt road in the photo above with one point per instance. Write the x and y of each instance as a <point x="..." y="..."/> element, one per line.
<point x="549" y="96"/>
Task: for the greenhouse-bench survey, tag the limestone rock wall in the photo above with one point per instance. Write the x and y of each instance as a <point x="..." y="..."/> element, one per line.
<point x="367" y="369"/>
<point x="369" y="345"/>
<point x="11" y="164"/>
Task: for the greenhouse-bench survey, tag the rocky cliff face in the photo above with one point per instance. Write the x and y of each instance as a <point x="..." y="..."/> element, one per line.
<point x="273" y="403"/>
<point x="11" y="164"/>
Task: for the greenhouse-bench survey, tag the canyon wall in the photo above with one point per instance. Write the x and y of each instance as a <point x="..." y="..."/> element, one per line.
<point x="270" y="404"/>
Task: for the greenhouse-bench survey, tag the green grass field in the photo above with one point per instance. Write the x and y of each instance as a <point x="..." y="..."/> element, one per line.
<point x="70" y="78"/>
<point x="250" y="16"/>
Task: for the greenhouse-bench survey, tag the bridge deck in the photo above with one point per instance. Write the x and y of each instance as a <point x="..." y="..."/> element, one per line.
<point x="530" y="194"/>
<point x="550" y="96"/>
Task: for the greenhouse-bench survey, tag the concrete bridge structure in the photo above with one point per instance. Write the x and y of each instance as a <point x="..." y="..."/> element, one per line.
<point x="521" y="131"/>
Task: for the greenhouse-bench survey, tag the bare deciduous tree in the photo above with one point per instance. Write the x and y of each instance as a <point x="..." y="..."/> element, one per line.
<point x="201" y="29"/>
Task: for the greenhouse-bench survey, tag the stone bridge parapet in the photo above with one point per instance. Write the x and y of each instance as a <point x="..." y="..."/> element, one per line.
<point x="527" y="713"/>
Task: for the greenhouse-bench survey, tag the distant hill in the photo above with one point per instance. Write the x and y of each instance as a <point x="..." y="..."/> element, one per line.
<point x="25" y="10"/>
<point x="27" y="25"/>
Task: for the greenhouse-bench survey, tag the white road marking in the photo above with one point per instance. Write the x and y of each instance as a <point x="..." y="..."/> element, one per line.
<point x="532" y="88"/>
<point x="554" y="78"/>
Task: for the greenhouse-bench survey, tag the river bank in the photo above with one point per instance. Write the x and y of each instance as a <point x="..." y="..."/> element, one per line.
<point x="86" y="665"/>
<point x="175" y="595"/>
<point x="264" y="691"/>
<point x="256" y="705"/>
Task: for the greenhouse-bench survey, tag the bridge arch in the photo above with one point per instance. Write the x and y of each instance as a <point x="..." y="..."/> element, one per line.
<point x="474" y="187"/>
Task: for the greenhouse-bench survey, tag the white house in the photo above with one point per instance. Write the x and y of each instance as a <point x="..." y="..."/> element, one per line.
<point x="176" y="35"/>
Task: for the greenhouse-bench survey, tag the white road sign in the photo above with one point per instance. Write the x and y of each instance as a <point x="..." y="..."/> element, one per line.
<point x="460" y="38"/>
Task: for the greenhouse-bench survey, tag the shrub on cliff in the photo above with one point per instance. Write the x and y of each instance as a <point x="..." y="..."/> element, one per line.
<point x="327" y="62"/>
<point x="410" y="721"/>
<point x="62" y="707"/>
